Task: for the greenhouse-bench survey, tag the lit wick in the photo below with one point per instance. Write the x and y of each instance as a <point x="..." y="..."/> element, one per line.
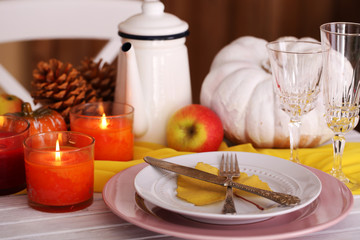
<point x="57" y="152"/>
<point x="104" y="122"/>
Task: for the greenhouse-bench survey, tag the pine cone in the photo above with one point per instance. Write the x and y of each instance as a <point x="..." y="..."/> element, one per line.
<point x="60" y="86"/>
<point x="102" y="79"/>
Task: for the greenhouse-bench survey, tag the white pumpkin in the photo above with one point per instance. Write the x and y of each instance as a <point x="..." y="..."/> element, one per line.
<point x="239" y="89"/>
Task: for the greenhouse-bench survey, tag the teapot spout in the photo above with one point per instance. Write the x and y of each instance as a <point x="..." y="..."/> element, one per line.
<point x="129" y="88"/>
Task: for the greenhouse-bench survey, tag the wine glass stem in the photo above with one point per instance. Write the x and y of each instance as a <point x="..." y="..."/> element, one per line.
<point x="338" y="147"/>
<point x="294" y="130"/>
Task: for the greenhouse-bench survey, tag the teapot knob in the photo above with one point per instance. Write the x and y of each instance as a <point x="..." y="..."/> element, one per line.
<point x="153" y="24"/>
<point x="153" y="7"/>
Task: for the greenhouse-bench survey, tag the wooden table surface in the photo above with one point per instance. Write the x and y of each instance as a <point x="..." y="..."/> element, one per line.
<point x="18" y="221"/>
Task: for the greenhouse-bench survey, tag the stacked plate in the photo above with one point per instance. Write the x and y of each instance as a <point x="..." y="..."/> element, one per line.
<point x="146" y="196"/>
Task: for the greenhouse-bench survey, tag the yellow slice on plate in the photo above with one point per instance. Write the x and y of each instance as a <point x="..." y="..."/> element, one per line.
<point x="202" y="193"/>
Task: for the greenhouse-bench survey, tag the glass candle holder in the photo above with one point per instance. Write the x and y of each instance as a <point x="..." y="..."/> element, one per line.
<point x="59" y="171"/>
<point x="111" y="124"/>
<point x="13" y="131"/>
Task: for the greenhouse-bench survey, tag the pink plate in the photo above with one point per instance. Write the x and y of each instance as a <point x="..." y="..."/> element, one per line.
<point x="120" y="196"/>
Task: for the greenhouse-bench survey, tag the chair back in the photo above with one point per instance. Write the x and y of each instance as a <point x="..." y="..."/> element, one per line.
<point x="24" y="20"/>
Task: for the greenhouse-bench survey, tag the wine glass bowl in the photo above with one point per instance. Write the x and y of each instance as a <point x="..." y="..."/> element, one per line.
<point x="341" y="86"/>
<point x="297" y="68"/>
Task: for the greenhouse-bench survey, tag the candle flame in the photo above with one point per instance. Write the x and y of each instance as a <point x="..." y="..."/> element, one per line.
<point x="57" y="151"/>
<point x="104" y="123"/>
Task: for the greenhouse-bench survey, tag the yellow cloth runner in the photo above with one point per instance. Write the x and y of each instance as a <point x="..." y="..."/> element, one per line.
<point x="319" y="157"/>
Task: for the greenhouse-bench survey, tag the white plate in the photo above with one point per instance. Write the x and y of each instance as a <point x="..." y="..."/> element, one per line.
<point x="159" y="187"/>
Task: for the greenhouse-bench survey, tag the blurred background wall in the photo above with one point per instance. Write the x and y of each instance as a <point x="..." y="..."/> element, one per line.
<point x="213" y="24"/>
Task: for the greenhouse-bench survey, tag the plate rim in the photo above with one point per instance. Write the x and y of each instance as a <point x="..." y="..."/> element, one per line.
<point x="234" y="218"/>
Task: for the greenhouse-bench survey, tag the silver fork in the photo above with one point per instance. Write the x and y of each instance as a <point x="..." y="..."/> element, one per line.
<point x="229" y="169"/>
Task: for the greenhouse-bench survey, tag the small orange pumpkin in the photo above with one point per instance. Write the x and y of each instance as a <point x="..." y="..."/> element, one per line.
<point x="42" y="119"/>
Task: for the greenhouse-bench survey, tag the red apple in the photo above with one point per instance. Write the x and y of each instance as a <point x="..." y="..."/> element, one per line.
<point x="9" y="103"/>
<point x="194" y="128"/>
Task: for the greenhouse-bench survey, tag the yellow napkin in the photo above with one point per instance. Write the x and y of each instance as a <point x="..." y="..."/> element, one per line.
<point x="319" y="157"/>
<point x="104" y="170"/>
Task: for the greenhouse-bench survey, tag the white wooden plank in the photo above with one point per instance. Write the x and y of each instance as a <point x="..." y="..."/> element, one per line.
<point x="18" y="212"/>
<point x="34" y="223"/>
<point x="108" y="233"/>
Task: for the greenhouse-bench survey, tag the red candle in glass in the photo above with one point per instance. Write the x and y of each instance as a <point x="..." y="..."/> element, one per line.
<point x="13" y="131"/>
<point x="113" y="131"/>
<point x="59" y="171"/>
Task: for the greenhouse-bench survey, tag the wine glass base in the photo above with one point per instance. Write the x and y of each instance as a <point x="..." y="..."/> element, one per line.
<point x="352" y="185"/>
<point x="295" y="160"/>
<point x="339" y="175"/>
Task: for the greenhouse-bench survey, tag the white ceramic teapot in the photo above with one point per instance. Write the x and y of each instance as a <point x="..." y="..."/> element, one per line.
<point x="153" y="69"/>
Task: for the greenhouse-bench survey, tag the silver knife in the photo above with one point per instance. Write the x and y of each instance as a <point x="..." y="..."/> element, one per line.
<point x="281" y="198"/>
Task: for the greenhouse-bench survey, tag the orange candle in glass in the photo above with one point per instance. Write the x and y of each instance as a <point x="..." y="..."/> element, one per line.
<point x="59" y="170"/>
<point x="111" y="124"/>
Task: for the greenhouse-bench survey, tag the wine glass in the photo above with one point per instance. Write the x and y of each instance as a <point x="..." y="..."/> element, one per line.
<point x="296" y="67"/>
<point x="341" y="86"/>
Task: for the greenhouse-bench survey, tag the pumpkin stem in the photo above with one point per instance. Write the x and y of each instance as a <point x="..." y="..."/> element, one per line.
<point x="26" y="109"/>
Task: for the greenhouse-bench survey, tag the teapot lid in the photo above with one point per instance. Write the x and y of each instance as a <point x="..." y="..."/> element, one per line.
<point x="153" y="24"/>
